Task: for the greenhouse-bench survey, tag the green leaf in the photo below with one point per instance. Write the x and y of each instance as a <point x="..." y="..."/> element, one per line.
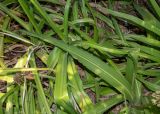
<point x="52" y="24"/>
<point x="103" y="106"/>
<point x="29" y="14"/>
<point x="61" y="95"/>
<point x="53" y="57"/>
<point x="81" y="97"/>
<point x="149" y="85"/>
<point x="155" y="7"/>
<point x="104" y="48"/>
<point x="11" y="34"/>
<point x="66" y="17"/>
<point x="94" y="64"/>
<point x="11" y="14"/>
<point x="132" y="19"/>
<point x="39" y="87"/>
<point x="145" y="40"/>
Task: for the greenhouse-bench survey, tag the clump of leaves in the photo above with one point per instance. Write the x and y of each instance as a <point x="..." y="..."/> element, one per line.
<point x="66" y="35"/>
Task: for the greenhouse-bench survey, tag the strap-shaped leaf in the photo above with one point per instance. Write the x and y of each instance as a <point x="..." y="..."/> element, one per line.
<point x="39" y="87"/>
<point x="53" y="57"/>
<point x="101" y="107"/>
<point x="132" y="19"/>
<point x="47" y="18"/>
<point x="81" y="97"/>
<point x="11" y="14"/>
<point x="149" y="85"/>
<point x="94" y="64"/>
<point x="29" y="14"/>
<point x="60" y="92"/>
<point x="155" y="7"/>
<point x="103" y="70"/>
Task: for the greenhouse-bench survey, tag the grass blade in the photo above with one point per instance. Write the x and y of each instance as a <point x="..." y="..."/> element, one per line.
<point x="149" y="85"/>
<point x="130" y="18"/>
<point x="4" y="26"/>
<point x="116" y="26"/>
<point x="94" y="64"/>
<point x="155" y="7"/>
<point x="66" y="17"/>
<point x="60" y="90"/>
<point x="29" y="14"/>
<point x="81" y="97"/>
<point x="101" y="107"/>
<point x="47" y="18"/>
<point x="11" y="14"/>
<point x="39" y="87"/>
